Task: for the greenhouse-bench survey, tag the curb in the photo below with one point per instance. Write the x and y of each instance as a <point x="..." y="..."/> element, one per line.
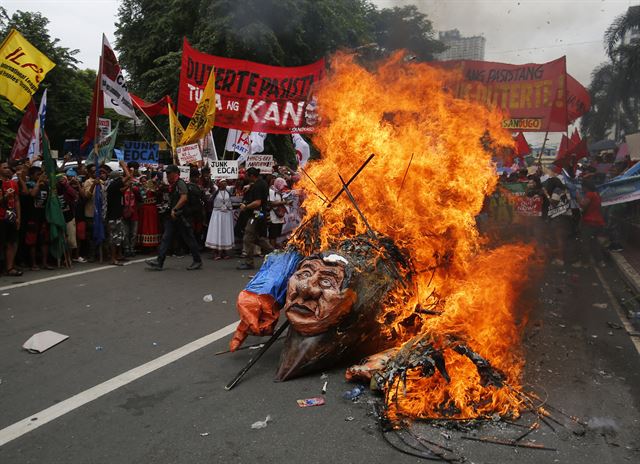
<point x="631" y="276"/>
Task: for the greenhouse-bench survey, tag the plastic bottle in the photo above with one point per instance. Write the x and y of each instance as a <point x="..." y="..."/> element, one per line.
<point x="354" y="393"/>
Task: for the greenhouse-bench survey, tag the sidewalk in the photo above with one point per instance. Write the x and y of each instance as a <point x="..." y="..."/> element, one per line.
<point x="628" y="264"/>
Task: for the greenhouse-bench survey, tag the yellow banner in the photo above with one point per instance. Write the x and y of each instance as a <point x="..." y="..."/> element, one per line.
<point x="204" y="115"/>
<point x="22" y="69"/>
<point x="175" y="129"/>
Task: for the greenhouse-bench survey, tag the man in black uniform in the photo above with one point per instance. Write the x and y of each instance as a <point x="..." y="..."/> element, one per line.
<point x="255" y="201"/>
<point x="178" y="221"/>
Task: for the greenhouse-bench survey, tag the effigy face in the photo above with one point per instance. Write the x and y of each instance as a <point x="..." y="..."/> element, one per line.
<point x="332" y="303"/>
<point x="317" y="297"/>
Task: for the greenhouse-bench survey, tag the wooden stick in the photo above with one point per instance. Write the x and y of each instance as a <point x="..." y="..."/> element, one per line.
<point x="326" y="198"/>
<point x="151" y="121"/>
<point x="497" y="441"/>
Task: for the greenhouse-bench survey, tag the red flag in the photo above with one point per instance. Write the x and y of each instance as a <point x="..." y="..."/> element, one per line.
<point x="522" y="147"/>
<point x="25" y="132"/>
<point x="563" y="148"/>
<point x="578" y="99"/>
<point x="577" y="146"/>
<point x="97" y="110"/>
<point x="153" y="109"/>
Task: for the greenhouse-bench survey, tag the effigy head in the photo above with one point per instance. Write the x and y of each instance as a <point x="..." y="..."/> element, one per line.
<point x="333" y="300"/>
<point x="318" y="294"/>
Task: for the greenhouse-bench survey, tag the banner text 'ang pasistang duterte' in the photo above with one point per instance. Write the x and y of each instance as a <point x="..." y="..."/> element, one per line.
<point x="533" y="96"/>
<point x="252" y="96"/>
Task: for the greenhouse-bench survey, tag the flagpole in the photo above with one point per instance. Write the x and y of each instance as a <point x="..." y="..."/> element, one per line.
<point x="151" y="121"/>
<point x="99" y="96"/>
<point x="544" y="143"/>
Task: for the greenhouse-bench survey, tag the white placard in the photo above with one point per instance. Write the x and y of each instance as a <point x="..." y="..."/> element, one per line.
<point x="185" y="173"/>
<point x="225" y="169"/>
<point x="262" y="162"/>
<point x="188" y="154"/>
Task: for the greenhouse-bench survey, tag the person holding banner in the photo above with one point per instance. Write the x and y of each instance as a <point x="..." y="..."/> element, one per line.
<point x="176" y="222"/>
<point x="220" y="232"/>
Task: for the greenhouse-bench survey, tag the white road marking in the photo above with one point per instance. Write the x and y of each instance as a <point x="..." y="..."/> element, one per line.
<point x="70" y="274"/>
<point x="625" y="322"/>
<point x="47" y="415"/>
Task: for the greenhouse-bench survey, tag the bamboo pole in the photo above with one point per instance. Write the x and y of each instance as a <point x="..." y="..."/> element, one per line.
<point x="151" y="121"/>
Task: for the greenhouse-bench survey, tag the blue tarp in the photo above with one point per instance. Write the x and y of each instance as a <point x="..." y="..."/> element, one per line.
<point x="273" y="276"/>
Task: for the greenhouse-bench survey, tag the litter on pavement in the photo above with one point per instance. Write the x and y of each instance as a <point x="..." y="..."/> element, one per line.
<point x="42" y="341"/>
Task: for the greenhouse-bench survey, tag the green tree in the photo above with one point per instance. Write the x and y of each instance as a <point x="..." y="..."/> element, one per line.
<point x="405" y="28"/>
<point x="276" y="32"/>
<point x="70" y="90"/>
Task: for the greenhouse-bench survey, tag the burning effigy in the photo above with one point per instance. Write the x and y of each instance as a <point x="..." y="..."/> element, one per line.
<point x="392" y="268"/>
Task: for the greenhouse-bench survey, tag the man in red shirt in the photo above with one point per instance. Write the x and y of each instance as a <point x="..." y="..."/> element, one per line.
<point x="9" y="218"/>
<point x="592" y="224"/>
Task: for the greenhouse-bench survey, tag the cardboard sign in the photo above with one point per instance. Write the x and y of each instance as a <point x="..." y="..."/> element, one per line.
<point x="189" y="154"/>
<point x="527" y="206"/>
<point x="633" y="143"/>
<point x="142" y="152"/>
<point x="262" y="162"/>
<point x="185" y="172"/>
<point x="559" y="210"/>
<point x="104" y="126"/>
<point x="226" y="169"/>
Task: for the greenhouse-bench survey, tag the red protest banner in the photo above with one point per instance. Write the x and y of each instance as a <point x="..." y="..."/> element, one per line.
<point x="532" y="95"/>
<point x="578" y="99"/>
<point x="251" y="96"/>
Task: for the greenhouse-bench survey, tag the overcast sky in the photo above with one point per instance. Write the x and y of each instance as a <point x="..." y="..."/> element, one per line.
<point x="524" y="31"/>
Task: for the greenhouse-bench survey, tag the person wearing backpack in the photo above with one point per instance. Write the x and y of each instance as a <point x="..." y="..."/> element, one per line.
<point x="178" y="221"/>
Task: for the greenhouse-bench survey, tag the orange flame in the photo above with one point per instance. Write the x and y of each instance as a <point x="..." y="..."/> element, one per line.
<point x="398" y="111"/>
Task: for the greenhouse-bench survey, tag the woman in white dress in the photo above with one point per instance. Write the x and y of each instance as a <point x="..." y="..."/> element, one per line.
<point x="220" y="233"/>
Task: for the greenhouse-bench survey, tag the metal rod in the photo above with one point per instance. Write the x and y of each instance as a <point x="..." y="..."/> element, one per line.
<point x="352" y="178"/>
<point x="258" y="355"/>
<point x="326" y="198"/>
<point x="246" y="347"/>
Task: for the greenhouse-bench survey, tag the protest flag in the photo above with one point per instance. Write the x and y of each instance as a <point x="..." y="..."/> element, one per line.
<point x="103" y="150"/>
<point x="153" y="109"/>
<point x="53" y="210"/>
<point x="35" y="145"/>
<point x="302" y="149"/>
<point x="25" y="132"/>
<point x="113" y="84"/>
<point x="577" y="146"/>
<point x="522" y="146"/>
<point x="175" y="129"/>
<point x="23" y="69"/>
<point x="202" y="120"/>
<point x="91" y="133"/>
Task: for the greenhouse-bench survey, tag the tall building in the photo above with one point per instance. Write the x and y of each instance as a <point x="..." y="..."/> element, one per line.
<point x="461" y="48"/>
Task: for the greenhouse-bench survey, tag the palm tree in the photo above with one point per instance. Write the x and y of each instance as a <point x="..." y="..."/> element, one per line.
<point x="614" y="90"/>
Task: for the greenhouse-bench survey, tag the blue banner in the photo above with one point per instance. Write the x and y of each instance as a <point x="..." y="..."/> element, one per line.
<point x="142" y="152"/>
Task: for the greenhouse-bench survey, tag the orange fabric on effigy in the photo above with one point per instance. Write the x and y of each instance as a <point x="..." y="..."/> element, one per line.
<point x="258" y="316"/>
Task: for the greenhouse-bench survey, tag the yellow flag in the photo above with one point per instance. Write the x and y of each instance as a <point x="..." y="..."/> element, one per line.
<point x="175" y="128"/>
<point x="22" y="69"/>
<point x="204" y="115"/>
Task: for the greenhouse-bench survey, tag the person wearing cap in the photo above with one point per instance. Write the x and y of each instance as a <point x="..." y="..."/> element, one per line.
<point x="177" y="222"/>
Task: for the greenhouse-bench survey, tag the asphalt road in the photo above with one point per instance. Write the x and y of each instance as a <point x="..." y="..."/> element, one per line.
<point x="121" y="318"/>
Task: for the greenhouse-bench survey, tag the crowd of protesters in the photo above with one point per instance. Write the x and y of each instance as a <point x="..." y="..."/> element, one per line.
<point x="113" y="213"/>
<point x="570" y="227"/>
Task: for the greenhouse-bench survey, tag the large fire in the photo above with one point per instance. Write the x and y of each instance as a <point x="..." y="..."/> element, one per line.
<point x="402" y="112"/>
